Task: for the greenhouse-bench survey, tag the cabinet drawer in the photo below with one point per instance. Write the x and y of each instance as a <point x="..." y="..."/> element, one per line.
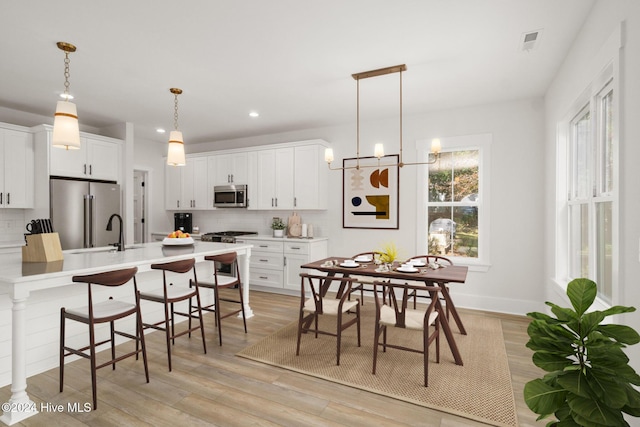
<point x="263" y="277"/>
<point x="296" y="248"/>
<point x="266" y="246"/>
<point x="269" y="260"/>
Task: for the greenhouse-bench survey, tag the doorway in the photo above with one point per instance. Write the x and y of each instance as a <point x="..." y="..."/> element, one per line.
<point x="139" y="206"/>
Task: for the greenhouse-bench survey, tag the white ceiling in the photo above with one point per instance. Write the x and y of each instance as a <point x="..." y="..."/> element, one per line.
<point x="290" y="60"/>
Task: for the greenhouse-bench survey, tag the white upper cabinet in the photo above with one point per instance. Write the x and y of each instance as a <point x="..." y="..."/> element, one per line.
<point x="187" y="187"/>
<point x="291" y="178"/>
<point x="230" y="168"/>
<point x="17" y="176"/>
<point x="97" y="158"/>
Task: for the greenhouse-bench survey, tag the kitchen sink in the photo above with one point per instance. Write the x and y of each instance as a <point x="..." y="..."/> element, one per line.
<point x="103" y="249"/>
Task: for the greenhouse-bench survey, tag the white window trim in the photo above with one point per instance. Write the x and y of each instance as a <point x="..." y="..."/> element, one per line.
<point x="481" y="142"/>
<point x="605" y="66"/>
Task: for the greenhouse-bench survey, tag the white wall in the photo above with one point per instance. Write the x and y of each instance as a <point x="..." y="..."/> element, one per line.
<point x="571" y="80"/>
<point x="514" y="283"/>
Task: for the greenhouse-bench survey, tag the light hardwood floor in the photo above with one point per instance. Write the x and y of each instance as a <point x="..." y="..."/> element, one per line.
<point x="224" y="390"/>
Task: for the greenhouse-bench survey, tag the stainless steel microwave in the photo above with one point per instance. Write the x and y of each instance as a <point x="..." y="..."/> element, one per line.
<point x="230" y="196"/>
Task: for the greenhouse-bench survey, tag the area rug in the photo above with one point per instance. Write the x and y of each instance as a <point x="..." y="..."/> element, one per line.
<point x="480" y="390"/>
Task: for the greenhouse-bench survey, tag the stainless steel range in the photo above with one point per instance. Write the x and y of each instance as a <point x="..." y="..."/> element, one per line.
<point x="225" y="236"/>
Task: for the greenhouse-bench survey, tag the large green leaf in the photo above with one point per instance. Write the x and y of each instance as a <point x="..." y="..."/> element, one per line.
<point x="541" y="316"/>
<point x="581" y="293"/>
<point x="543" y="398"/>
<point x="608" y="389"/>
<point x="591" y="412"/>
<point x="611" y="357"/>
<point x="589" y="322"/>
<point x="618" y="309"/>
<point x="620" y="333"/>
<point x="563" y="314"/>
<point x="550" y="361"/>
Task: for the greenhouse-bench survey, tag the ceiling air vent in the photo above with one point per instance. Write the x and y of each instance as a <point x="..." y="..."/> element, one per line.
<point x="530" y="40"/>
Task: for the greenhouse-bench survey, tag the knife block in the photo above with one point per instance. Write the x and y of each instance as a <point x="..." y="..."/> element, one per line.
<point x="42" y="248"/>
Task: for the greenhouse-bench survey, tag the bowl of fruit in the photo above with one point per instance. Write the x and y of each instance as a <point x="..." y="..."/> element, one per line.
<point x="178" y="238"/>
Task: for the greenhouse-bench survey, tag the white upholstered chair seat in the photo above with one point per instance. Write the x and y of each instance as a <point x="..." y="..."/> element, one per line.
<point x="104" y="309"/>
<point x="413" y="319"/>
<point x="172" y="292"/>
<point x="329" y="306"/>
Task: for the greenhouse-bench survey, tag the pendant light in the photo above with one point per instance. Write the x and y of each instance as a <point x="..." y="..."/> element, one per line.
<point x="66" y="132"/>
<point x="175" y="153"/>
<point x="379" y="148"/>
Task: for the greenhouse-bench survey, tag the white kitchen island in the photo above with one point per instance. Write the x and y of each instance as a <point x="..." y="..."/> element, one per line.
<point x="31" y="295"/>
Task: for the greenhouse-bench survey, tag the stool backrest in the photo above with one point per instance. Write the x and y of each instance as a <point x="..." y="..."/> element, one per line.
<point x="109" y="278"/>
<point x="181" y="266"/>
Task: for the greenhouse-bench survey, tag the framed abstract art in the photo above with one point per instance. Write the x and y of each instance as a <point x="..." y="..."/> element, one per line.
<point x="370" y="194"/>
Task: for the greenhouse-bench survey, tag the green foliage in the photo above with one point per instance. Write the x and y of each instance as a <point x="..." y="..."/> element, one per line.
<point x="589" y="381"/>
<point x="278" y="224"/>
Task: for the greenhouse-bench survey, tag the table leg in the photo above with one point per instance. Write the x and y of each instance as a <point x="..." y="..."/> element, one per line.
<point x="447" y="329"/>
<point x="19" y="406"/>
<point x="452" y="308"/>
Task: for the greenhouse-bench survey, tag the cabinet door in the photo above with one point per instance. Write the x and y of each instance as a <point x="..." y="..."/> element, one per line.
<point x="284" y="178"/>
<point x="200" y="174"/>
<point x="266" y="185"/>
<point x="186" y="193"/>
<point x="17" y="186"/>
<point x="71" y="163"/>
<point x="173" y="187"/>
<point x="231" y="168"/>
<point x="222" y="169"/>
<point x="102" y="159"/>
<point x="240" y="165"/>
<point x="292" y="270"/>
<point x="309" y="178"/>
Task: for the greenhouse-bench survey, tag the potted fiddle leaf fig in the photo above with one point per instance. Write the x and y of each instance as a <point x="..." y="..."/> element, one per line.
<point x="589" y="381"/>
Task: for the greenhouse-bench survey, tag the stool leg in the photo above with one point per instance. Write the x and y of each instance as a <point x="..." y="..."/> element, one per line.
<point x="244" y="319"/>
<point x="92" y="357"/>
<point x="204" y="344"/>
<point x="167" y="330"/>
<point x="113" y="345"/>
<point x="140" y="339"/>
<point x="62" y="325"/>
<point x="216" y="300"/>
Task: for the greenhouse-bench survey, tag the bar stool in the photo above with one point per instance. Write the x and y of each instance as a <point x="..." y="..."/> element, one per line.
<point x="168" y="295"/>
<point x="222" y="282"/>
<point x="103" y="312"/>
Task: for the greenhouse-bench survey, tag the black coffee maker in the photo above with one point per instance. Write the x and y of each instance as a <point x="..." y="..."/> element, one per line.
<point x="183" y="221"/>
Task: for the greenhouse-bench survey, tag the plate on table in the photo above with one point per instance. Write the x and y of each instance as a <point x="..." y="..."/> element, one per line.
<point x="417" y="263"/>
<point x="349" y="265"/>
<point x="363" y="258"/>
<point x="407" y="269"/>
<point x="178" y="241"/>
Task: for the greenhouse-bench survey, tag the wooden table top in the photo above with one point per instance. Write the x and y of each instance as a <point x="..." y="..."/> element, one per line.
<point x="448" y="274"/>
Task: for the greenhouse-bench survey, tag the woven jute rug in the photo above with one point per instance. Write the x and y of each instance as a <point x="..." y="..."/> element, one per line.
<point x="480" y="390"/>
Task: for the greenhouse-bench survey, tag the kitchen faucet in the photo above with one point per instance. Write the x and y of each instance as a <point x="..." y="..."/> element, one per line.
<point x="120" y="244"/>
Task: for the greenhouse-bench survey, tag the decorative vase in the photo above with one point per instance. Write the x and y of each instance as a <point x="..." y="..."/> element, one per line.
<point x="278" y="233"/>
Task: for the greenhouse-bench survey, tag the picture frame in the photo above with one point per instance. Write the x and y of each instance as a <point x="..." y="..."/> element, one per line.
<point x="371" y="193"/>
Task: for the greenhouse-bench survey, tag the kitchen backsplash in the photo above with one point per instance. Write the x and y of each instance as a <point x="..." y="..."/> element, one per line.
<point x="247" y="220"/>
<point x="12" y="223"/>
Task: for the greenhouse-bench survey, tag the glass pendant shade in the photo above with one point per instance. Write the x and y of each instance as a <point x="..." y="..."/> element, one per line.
<point x="66" y="132"/>
<point x="175" y="154"/>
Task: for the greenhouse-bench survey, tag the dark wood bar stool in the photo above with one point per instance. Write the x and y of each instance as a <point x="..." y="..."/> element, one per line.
<point x="103" y="312"/>
<point x="222" y="282"/>
<point x="168" y="295"/>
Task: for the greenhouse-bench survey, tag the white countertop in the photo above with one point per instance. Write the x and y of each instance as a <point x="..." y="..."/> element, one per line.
<point x="281" y="239"/>
<point x="87" y="261"/>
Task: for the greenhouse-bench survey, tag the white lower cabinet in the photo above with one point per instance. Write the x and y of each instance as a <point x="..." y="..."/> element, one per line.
<point x="275" y="263"/>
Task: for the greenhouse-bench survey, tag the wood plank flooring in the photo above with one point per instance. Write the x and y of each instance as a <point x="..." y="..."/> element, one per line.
<point x="221" y="389"/>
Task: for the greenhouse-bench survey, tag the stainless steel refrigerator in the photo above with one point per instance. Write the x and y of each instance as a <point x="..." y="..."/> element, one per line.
<point x="80" y="211"/>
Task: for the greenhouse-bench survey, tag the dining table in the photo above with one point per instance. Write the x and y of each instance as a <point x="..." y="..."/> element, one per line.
<point x="437" y="277"/>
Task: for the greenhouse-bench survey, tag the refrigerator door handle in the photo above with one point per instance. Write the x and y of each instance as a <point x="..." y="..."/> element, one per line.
<point x="91" y="221"/>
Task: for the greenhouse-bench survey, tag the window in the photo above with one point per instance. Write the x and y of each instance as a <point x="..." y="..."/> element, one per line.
<point x="591" y="196"/>
<point x="452" y="217"/>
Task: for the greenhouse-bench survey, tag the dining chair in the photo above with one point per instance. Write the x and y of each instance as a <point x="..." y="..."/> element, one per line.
<point x="171" y="294"/>
<point x="364" y="283"/>
<point x="392" y="311"/>
<point x="107" y="311"/>
<point x="221" y="281"/>
<point x="316" y="305"/>
<point x="428" y="260"/>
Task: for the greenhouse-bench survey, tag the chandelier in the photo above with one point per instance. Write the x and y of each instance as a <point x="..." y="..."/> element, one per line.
<point x="175" y="153"/>
<point x="66" y="131"/>
<point x="379" y="148"/>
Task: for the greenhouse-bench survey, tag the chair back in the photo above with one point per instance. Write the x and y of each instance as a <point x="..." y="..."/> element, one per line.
<point x="372" y="254"/>
<point x="181" y="266"/>
<point x="395" y="296"/>
<point x="109" y="278"/>
<point x="317" y="287"/>
<point x="230" y="258"/>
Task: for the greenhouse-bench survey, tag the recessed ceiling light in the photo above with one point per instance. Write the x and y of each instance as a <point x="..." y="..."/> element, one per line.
<point x="66" y="96"/>
<point x="160" y="130"/>
<point x="254" y="114"/>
